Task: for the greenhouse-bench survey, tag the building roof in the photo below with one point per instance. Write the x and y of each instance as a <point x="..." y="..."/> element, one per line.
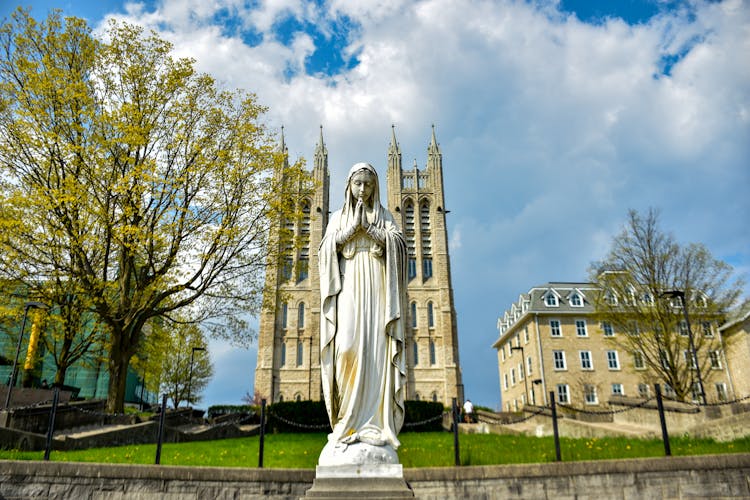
<point x="535" y="302"/>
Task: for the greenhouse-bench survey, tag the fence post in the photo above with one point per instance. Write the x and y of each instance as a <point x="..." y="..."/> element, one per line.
<point x="558" y="455"/>
<point x="262" y="432"/>
<point x="663" y="420"/>
<point x="160" y="435"/>
<point x="51" y="425"/>
<point x="456" y="450"/>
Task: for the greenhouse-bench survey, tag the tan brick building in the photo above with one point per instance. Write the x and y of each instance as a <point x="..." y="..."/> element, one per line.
<point x="549" y="342"/>
<point x="288" y="365"/>
<point x="737" y="332"/>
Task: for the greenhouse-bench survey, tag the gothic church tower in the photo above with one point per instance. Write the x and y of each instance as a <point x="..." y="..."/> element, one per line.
<point x="416" y="198"/>
<point x="288" y="366"/>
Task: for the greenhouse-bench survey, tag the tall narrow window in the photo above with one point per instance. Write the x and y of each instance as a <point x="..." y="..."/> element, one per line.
<point x="432" y="352"/>
<point x="721" y="391"/>
<point x="409" y="233"/>
<point x="607" y="329"/>
<point x="304" y="234"/>
<point x="638" y="362"/>
<point x="581" y="328"/>
<point x="413" y="314"/>
<point x="430" y="315"/>
<point x="563" y="396"/>
<point x="559" y="360"/>
<point x="715" y="357"/>
<point x="301" y="315"/>
<point x="300" y="352"/>
<point x="528" y="366"/>
<point x="554" y="328"/>
<point x="613" y="361"/>
<point x="586" y="360"/>
<point x="424" y="226"/>
<point x="589" y="394"/>
<point x="283" y="353"/>
<point x="415" y="351"/>
<point x="284" y="315"/>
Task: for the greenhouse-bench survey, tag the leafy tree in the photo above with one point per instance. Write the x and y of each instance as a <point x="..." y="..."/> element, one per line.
<point x="166" y="360"/>
<point x="643" y="265"/>
<point x="131" y="175"/>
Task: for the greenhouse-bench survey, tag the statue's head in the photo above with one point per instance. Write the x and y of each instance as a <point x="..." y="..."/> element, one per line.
<point x="363" y="183"/>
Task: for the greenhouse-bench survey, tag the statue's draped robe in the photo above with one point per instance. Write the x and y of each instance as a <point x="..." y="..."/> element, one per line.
<point x="362" y="330"/>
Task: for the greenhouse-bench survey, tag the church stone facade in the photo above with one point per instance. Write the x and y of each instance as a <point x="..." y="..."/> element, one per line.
<point x="288" y="366"/>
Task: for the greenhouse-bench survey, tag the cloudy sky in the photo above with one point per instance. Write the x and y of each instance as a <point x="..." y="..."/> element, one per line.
<point x="554" y="118"/>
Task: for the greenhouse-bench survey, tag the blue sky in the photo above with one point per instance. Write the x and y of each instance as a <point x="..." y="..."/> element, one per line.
<point x="554" y="118"/>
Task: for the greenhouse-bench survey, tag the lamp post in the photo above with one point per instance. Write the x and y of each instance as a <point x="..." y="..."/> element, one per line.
<point x="681" y="295"/>
<point x="523" y="367"/>
<point x="12" y="376"/>
<point x="190" y="377"/>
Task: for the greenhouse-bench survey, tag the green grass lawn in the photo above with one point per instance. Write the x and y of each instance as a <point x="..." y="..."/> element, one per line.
<point x="429" y="449"/>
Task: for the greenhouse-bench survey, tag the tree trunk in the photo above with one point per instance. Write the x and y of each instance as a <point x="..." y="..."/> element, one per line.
<point x="60" y="374"/>
<point x="119" y="359"/>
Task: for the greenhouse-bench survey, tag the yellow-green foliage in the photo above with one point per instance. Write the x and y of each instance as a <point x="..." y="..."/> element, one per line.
<point x="134" y="178"/>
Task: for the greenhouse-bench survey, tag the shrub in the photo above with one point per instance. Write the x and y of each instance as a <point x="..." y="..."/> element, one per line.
<point x="298" y="416"/>
<point x="421" y="411"/>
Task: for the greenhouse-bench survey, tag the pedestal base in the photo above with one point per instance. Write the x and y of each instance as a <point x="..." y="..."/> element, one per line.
<point x="359" y="481"/>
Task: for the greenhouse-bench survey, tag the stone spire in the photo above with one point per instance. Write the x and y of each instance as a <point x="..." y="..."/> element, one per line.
<point x="282" y="143"/>
<point x="321" y="153"/>
<point x="433" y="148"/>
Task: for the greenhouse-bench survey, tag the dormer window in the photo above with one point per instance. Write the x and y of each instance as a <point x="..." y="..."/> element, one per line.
<point x="551" y="300"/>
<point x="575" y="300"/>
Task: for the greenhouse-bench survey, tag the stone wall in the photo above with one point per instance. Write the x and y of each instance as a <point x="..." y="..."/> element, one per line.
<point x="711" y="476"/>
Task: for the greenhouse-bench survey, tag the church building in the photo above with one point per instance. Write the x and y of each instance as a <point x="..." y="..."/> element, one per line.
<point x="288" y="366"/>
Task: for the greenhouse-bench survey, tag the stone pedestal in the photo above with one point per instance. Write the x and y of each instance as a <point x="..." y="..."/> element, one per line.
<point x="359" y="481"/>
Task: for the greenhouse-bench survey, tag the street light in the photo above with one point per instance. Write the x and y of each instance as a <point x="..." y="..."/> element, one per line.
<point x="523" y="367"/>
<point x="681" y="295"/>
<point x="12" y="376"/>
<point x="190" y="378"/>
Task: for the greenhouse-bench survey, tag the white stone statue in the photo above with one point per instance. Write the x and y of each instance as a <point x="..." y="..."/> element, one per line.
<point x="363" y="284"/>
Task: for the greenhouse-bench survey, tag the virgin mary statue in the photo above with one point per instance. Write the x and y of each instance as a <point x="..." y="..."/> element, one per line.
<point x="362" y="282"/>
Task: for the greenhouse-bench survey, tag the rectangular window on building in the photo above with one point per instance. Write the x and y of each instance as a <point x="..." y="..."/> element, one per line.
<point x="512" y="376"/>
<point x="563" y="395"/>
<point x="669" y="392"/>
<point x="613" y="361"/>
<point x="689" y="359"/>
<point x="502" y="353"/>
<point x="721" y="391"/>
<point x="589" y="394"/>
<point x="559" y="360"/>
<point x="638" y="361"/>
<point x="585" y="360"/>
<point x="300" y="351"/>
<point x="617" y="390"/>
<point x="528" y="365"/>
<point x="520" y="370"/>
<point x="412" y="267"/>
<point x="415" y="351"/>
<point x="707" y="331"/>
<point x="715" y="357"/>
<point x="683" y="328"/>
<point x="505" y="381"/>
<point x="644" y="390"/>
<point x="554" y="328"/>
<point x="607" y="329"/>
<point x="581" y="328"/>
<point x="526" y="335"/>
<point x="696" y="391"/>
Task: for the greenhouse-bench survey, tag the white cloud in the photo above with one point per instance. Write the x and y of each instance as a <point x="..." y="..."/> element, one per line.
<point x="550" y="128"/>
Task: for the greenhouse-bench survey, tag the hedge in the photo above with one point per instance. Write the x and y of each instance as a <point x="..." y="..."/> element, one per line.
<point x="311" y="416"/>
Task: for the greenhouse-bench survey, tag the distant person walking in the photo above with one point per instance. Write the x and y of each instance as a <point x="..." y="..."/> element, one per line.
<point x="468" y="412"/>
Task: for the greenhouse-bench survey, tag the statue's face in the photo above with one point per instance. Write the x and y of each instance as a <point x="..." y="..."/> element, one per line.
<point x="363" y="185"/>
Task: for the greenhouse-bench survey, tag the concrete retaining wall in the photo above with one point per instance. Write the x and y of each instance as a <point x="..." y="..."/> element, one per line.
<point x="710" y="476"/>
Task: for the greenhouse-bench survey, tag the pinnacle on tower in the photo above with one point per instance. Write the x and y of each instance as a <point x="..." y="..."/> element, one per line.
<point x="282" y="143"/>
<point x="433" y="147"/>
